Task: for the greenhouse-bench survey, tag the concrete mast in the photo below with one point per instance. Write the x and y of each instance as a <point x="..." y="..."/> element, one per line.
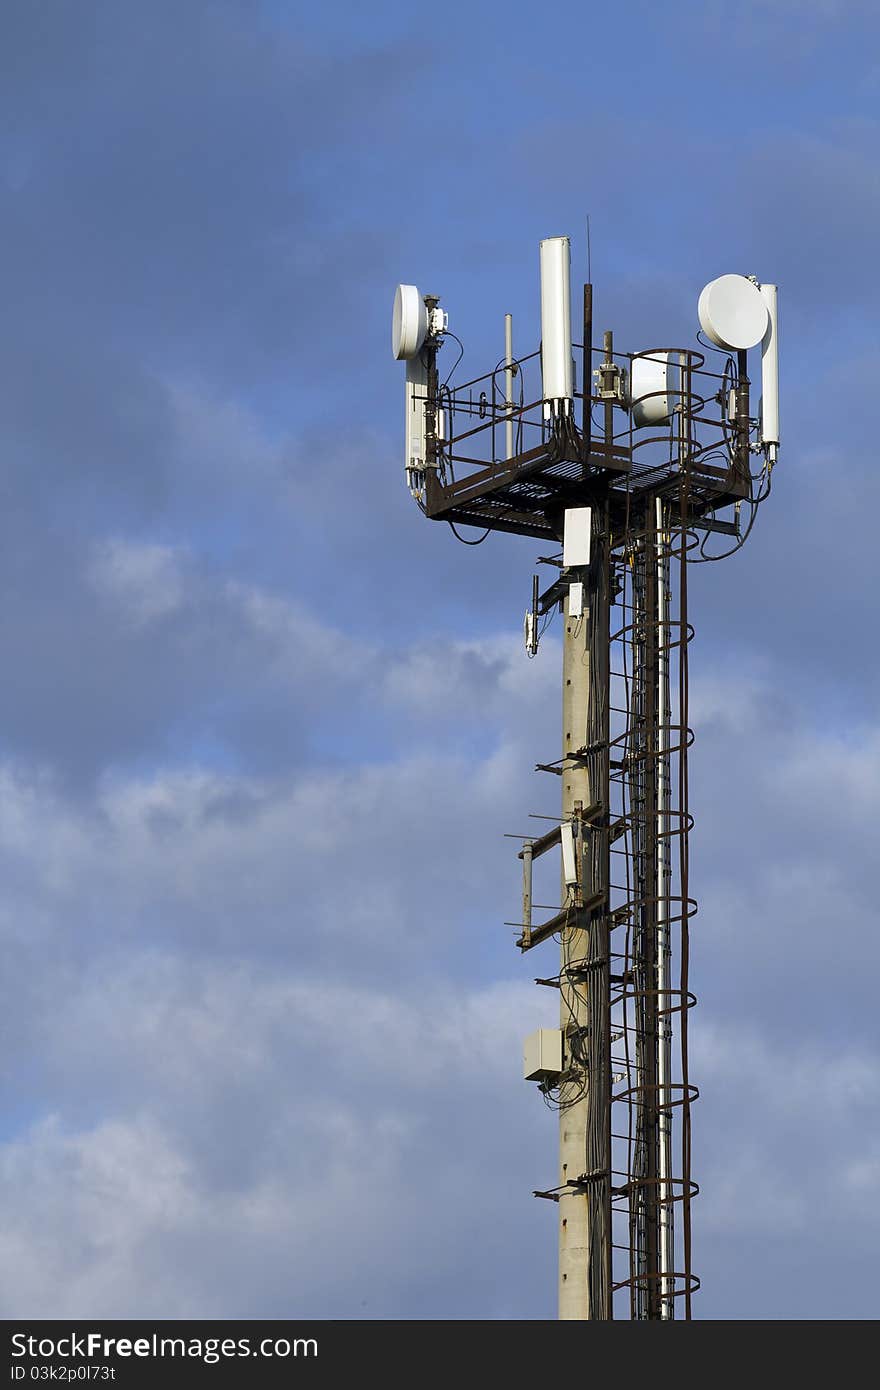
<point x="584" y="979"/>
<point x="574" y="1114"/>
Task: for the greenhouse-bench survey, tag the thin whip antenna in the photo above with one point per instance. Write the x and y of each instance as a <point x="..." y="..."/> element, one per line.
<point x="589" y="254"/>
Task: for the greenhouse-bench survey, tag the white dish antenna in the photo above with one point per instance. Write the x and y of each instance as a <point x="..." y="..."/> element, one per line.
<point x="649" y="388"/>
<point x="733" y="314"/>
<point x="409" y="323"/>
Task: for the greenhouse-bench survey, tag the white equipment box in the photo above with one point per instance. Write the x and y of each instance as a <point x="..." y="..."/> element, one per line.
<point x="542" y="1054"/>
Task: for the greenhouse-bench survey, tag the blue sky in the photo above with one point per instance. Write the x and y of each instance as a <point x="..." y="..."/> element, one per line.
<point x="263" y="728"/>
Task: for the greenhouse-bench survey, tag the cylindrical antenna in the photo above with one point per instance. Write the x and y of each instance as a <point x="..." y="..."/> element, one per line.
<point x="508" y="381"/>
<point x="608" y="344"/>
<point x="556" y="361"/>
<point x="770" y="375"/>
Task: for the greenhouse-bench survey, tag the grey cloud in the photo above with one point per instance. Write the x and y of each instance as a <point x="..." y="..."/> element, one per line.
<point x="167" y="189"/>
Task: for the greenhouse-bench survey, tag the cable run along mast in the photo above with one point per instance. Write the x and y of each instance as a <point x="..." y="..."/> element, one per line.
<point x="656" y="463"/>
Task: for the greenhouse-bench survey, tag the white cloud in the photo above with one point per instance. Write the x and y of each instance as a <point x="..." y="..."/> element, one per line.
<point x="144" y="582"/>
<point x="775" y="1133"/>
<point x="244" y="1108"/>
<point x="232" y="982"/>
<point x="81" y="1207"/>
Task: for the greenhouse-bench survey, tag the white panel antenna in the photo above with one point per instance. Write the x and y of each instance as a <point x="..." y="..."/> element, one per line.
<point x="556" y="361"/>
<point x="409" y="323"/>
<point x="576" y="537"/>
<point x="416" y="404"/>
<point x="648" y="389"/>
<point x="770" y="375"/>
<point x="732" y="313"/>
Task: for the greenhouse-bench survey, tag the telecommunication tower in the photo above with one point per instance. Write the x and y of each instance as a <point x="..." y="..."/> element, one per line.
<point x="644" y="466"/>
